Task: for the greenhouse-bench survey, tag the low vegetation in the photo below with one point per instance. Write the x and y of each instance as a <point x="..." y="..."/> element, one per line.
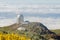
<point x="57" y="31"/>
<point x="13" y="37"/>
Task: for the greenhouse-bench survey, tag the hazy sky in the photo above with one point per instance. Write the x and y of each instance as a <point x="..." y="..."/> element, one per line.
<point x="18" y="2"/>
<point x="44" y="11"/>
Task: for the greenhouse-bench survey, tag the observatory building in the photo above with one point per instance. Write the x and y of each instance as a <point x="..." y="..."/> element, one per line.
<point x="20" y="22"/>
<point x="20" y="18"/>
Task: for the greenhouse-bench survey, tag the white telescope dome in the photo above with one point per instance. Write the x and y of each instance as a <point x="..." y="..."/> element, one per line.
<point x="20" y="18"/>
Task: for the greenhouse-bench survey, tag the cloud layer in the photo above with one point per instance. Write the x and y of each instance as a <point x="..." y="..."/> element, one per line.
<point x="31" y="8"/>
<point x="7" y="22"/>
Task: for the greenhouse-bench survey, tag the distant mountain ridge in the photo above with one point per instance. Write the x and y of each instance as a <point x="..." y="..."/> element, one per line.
<point x="32" y="26"/>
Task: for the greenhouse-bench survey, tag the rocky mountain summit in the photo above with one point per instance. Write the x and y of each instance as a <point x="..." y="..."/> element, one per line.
<point x="34" y="28"/>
